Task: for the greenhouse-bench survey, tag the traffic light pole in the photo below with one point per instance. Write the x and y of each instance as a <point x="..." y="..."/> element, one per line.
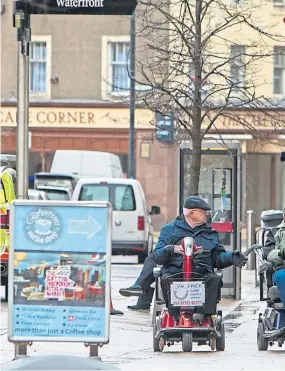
<point x="22" y="23"/>
<point x="132" y="139"/>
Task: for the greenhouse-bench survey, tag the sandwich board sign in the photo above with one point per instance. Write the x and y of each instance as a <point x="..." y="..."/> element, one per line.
<point x="59" y="271"/>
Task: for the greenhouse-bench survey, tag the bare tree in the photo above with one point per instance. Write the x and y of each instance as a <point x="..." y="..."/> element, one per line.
<point x="202" y="62"/>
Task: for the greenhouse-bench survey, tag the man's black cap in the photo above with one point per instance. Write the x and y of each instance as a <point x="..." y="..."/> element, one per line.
<point x="195" y="202"/>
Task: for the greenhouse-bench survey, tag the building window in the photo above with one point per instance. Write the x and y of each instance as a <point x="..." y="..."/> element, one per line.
<point x="237" y="63"/>
<point x="278" y="2"/>
<point x="279" y="70"/>
<point x="38" y="67"/>
<point x="119" y="66"/>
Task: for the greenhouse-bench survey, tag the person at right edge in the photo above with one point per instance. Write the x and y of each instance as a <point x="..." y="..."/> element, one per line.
<point x="274" y="252"/>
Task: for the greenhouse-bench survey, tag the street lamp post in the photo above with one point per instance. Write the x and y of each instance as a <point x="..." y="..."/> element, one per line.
<point x="21" y="19"/>
<point x="131" y="162"/>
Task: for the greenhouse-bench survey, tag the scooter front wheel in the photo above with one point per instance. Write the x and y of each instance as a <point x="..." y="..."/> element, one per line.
<point x="187" y="341"/>
<point x="262" y="343"/>
<point x="155" y="341"/>
<point x="158" y="344"/>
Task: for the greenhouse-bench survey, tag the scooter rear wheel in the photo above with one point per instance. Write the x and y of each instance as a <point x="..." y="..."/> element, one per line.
<point x="156" y="347"/>
<point x="187" y="342"/>
<point x="221" y="342"/>
<point x="262" y="343"/>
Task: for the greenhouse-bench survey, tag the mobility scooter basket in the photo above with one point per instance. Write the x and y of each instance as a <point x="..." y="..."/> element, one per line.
<point x="186" y="293"/>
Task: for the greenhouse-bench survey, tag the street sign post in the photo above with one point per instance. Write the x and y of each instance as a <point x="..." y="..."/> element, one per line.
<point x="59" y="272"/>
<point x="22" y="10"/>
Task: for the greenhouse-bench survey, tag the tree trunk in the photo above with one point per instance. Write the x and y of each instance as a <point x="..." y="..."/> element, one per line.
<point x="195" y="167"/>
<point x="196" y="108"/>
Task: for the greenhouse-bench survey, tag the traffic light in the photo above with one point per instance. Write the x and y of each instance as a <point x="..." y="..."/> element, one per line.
<point x="87" y="7"/>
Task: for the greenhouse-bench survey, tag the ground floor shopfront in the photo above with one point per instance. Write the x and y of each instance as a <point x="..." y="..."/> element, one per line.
<point x="101" y="127"/>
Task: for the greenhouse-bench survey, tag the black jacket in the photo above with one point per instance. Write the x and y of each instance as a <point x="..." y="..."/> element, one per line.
<point x="214" y="254"/>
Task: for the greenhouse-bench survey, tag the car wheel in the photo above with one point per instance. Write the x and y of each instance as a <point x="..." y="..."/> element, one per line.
<point x="142" y="256"/>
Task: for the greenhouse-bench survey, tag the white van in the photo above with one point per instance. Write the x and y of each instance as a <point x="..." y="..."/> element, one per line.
<point x="132" y="231"/>
<point x="87" y="164"/>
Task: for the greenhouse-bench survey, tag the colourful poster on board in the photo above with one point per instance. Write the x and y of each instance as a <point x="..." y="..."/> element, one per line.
<point x="61" y="285"/>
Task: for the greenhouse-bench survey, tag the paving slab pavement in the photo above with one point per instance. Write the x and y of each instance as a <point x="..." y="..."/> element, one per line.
<point x="130" y="346"/>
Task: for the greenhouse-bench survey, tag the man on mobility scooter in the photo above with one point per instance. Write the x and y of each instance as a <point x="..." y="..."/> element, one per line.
<point x="210" y="254"/>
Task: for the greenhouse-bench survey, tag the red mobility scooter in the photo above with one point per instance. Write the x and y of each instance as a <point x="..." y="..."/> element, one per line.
<point x="187" y="293"/>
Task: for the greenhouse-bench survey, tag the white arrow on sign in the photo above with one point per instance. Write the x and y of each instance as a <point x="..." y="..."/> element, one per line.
<point x="89" y="227"/>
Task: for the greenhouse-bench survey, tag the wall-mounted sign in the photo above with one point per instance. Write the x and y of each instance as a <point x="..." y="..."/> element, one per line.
<point x="164" y="127"/>
<point x="93" y="7"/>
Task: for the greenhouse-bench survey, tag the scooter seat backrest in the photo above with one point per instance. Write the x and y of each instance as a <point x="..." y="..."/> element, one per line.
<point x="273" y="293"/>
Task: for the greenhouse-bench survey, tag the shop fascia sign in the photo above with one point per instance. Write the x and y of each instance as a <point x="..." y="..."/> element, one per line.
<point x="65" y="117"/>
<point x="84" y="7"/>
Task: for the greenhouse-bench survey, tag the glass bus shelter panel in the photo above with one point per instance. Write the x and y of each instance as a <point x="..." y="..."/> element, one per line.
<point x="216" y="183"/>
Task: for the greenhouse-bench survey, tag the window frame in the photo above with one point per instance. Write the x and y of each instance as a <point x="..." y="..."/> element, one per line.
<point x="237" y="61"/>
<point x="47" y="40"/>
<point x="106" y="66"/>
<point x="279" y="68"/>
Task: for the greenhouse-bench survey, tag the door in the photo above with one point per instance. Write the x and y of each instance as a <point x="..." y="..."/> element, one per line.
<point x="220" y="186"/>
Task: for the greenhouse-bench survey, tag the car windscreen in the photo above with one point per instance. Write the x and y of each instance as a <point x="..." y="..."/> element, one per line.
<point x="121" y="196"/>
<point x="54" y="195"/>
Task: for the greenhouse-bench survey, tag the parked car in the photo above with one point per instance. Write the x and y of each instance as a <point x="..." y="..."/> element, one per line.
<point x="132" y="231"/>
<point x="56" y="180"/>
<point x="35" y="194"/>
<point x="56" y="193"/>
<point x="8" y="178"/>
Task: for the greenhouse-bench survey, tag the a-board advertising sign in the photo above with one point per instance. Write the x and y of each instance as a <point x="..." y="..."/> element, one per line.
<point x="59" y="271"/>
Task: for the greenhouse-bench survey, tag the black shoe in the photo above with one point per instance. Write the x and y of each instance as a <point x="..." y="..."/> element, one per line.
<point x="134" y="290"/>
<point x="115" y="312"/>
<point x="139" y="308"/>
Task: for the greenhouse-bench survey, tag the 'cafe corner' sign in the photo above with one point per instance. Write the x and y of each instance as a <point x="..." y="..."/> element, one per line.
<point x="62" y="117"/>
<point x="119" y="118"/>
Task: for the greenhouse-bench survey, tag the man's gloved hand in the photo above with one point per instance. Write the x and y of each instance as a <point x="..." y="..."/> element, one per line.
<point x="175" y="249"/>
<point x="239" y="259"/>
